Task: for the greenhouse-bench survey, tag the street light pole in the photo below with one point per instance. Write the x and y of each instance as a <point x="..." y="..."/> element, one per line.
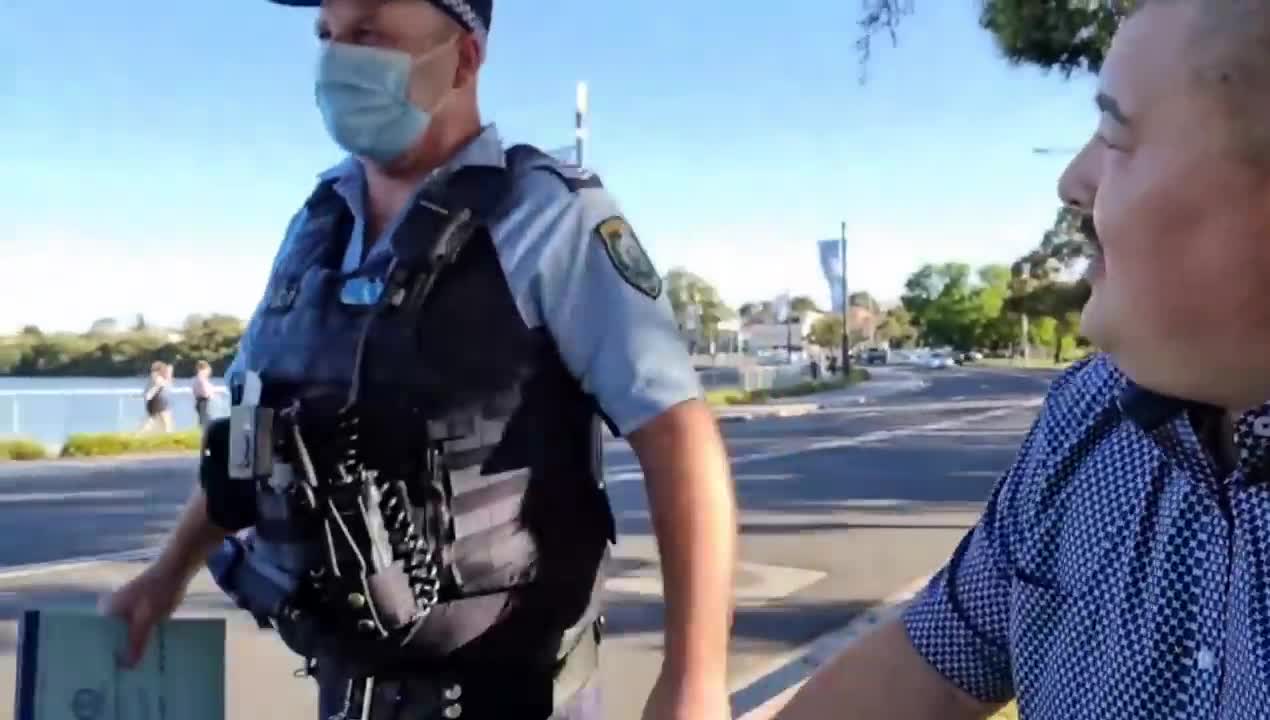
<point x="1023" y="321"/>
<point x="579" y="123"/>
<point x="846" y="309"/>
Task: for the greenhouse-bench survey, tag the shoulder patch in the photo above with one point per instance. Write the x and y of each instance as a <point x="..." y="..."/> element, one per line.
<point x="628" y="255"/>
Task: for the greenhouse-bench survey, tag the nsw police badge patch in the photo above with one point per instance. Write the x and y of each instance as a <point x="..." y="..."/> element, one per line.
<point x="628" y="256"/>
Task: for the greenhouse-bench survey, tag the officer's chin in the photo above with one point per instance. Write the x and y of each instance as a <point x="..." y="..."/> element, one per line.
<point x="415" y="160"/>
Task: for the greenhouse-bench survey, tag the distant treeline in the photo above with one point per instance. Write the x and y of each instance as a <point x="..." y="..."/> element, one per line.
<point x="107" y="350"/>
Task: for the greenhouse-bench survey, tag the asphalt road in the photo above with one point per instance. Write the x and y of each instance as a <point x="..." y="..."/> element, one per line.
<point x="839" y="509"/>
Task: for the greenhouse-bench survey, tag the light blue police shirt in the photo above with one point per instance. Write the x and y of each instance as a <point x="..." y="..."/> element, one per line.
<point x="623" y="346"/>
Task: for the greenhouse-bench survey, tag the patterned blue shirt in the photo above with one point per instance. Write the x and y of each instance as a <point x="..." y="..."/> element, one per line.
<point x="1119" y="570"/>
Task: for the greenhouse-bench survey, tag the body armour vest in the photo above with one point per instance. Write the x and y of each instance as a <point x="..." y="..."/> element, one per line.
<point x="442" y="408"/>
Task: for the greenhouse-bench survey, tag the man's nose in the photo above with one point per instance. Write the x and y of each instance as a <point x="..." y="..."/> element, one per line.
<point x="1078" y="184"/>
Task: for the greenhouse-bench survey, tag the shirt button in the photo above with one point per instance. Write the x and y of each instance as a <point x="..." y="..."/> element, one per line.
<point x="1206" y="659"/>
<point x="1261" y="427"/>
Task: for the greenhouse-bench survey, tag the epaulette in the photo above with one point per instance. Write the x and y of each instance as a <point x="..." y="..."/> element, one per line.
<point x="527" y="157"/>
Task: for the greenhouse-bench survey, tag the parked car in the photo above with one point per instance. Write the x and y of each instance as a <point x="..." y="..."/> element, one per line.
<point x="876" y="356"/>
<point x="939" y="360"/>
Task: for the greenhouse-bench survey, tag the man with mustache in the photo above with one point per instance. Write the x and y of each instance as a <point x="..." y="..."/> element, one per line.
<point x="1122" y="567"/>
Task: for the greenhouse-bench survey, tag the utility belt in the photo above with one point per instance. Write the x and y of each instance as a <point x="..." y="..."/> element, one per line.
<point x="346" y="551"/>
<point x="534" y="688"/>
<point x="286" y="577"/>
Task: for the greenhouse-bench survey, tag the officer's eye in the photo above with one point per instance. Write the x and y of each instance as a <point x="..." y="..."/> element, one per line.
<point x="369" y="36"/>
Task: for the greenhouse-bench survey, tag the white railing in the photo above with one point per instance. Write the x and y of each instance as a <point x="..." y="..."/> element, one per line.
<point x="35" y="412"/>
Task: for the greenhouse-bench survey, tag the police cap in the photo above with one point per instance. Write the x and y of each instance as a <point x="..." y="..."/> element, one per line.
<point x="474" y="15"/>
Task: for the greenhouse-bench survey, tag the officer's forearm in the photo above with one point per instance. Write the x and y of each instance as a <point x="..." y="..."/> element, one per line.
<point x="694" y="516"/>
<point x="192" y="540"/>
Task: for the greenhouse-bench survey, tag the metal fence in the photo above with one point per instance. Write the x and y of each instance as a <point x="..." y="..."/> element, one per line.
<point x="50" y="416"/>
<point x="754" y="377"/>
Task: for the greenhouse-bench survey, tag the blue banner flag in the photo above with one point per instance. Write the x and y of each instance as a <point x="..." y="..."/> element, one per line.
<point x="831" y="263"/>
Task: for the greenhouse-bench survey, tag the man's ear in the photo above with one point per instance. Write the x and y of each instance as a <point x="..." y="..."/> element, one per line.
<point x="471" y="57"/>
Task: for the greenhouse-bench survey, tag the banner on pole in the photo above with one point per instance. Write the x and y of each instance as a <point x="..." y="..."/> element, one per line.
<point x="832" y="266"/>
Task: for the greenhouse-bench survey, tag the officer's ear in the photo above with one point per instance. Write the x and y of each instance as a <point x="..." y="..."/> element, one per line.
<point x="471" y="57"/>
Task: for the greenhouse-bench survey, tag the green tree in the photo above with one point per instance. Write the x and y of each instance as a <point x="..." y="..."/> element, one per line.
<point x="10" y="357"/>
<point x="802" y="304"/>
<point x="129" y="353"/>
<point x="896" y="328"/>
<point x="1066" y="35"/>
<point x="696" y="303"/>
<point x="1043" y="285"/>
<point x="943" y="304"/>
<point x="827" y="331"/>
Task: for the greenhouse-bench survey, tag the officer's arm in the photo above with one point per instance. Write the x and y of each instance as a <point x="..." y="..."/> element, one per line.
<point x="949" y="655"/>
<point x="604" y="305"/>
<point x="196" y="535"/>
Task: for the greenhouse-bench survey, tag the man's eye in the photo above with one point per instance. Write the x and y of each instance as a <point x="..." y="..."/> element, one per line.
<point x="1102" y="140"/>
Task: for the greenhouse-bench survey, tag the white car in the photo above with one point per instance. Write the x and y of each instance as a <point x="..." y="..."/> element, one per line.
<point x="939" y="360"/>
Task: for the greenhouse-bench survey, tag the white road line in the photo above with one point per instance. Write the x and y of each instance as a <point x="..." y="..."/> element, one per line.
<point x="758" y="693"/>
<point x="623" y="471"/>
<point x="871" y="437"/>
<point x="21" y="571"/>
<point x="47" y="497"/>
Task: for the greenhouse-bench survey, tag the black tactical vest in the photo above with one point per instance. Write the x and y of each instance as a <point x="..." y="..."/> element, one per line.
<point x="440" y="406"/>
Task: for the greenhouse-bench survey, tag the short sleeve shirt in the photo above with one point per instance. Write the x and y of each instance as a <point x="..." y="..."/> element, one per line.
<point x="1118" y="571"/>
<point x="576" y="268"/>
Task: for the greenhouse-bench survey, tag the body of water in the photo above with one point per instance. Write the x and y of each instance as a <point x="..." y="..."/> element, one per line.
<point x="50" y="409"/>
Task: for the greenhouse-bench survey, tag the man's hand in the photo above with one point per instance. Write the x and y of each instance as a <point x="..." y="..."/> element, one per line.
<point x="694" y="516"/>
<point x="152" y="596"/>
<point x="142" y="603"/>
<point x="681" y="698"/>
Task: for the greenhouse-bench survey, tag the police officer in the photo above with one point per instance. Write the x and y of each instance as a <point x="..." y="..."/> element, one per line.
<point x="416" y="433"/>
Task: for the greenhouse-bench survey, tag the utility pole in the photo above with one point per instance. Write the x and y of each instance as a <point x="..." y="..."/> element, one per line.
<point x="1024" y="329"/>
<point x="846" y="309"/>
<point x="580" y="124"/>
<point x="1023" y="323"/>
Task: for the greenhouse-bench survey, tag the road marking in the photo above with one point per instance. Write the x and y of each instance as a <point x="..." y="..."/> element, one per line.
<point x="626" y="472"/>
<point x="45" y="497"/>
<point x="756" y="584"/>
<point x="765" y="690"/>
<point x="20" y="571"/>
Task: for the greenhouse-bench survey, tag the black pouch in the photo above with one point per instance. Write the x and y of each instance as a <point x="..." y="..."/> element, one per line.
<point x="231" y="501"/>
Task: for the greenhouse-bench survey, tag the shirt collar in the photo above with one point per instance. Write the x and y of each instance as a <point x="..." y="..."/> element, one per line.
<point x="1151" y="410"/>
<point x="484" y="150"/>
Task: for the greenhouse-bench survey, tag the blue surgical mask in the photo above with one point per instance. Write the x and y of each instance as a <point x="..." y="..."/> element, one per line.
<point x="364" y="96"/>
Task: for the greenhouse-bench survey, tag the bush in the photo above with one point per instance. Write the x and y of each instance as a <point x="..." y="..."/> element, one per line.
<point x="110" y="444"/>
<point x="21" y="449"/>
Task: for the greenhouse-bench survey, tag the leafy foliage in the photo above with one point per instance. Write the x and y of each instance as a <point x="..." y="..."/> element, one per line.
<point x="1066" y="35"/>
<point x="696" y="304"/>
<point x="105" y="351"/>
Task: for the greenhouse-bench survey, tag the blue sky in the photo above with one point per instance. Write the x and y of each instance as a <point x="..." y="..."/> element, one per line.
<point x="155" y="150"/>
